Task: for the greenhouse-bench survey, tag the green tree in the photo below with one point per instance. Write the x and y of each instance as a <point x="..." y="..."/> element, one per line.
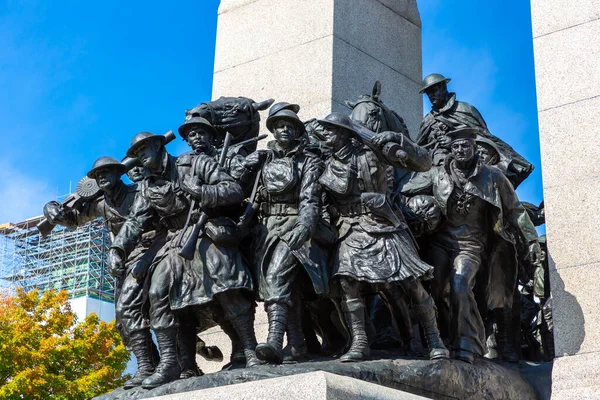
<point x="46" y="354"/>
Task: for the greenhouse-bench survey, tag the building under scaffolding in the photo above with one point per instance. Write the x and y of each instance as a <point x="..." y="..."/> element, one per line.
<point x="74" y="260"/>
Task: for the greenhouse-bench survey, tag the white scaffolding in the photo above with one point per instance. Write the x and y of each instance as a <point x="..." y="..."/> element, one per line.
<point x="74" y="260"/>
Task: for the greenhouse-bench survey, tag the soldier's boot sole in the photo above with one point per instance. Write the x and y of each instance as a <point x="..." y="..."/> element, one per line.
<point x="269" y="353"/>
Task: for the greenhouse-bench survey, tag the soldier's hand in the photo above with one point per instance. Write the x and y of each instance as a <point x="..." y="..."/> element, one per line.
<point x="54" y="213"/>
<point x="255" y="160"/>
<point x="116" y="263"/>
<point x="443" y="141"/>
<point x="298" y="237"/>
<point x="536" y="255"/>
<point x="382" y="138"/>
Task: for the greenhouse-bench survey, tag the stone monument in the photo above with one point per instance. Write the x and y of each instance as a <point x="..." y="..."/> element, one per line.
<point x="568" y="96"/>
<point x="318" y="53"/>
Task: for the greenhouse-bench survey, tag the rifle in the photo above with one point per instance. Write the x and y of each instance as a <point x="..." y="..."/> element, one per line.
<point x="251" y="208"/>
<point x="87" y="190"/>
<point x="188" y="249"/>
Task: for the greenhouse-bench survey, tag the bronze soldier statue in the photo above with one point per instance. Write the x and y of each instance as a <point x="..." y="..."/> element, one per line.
<point x="177" y="284"/>
<point x="114" y="207"/>
<point x="201" y="136"/>
<point x="290" y="208"/>
<point x="374" y="247"/>
<point x="477" y="201"/>
<point x="447" y="113"/>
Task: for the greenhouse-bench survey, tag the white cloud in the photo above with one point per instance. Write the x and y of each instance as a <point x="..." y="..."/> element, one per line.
<point x="21" y="196"/>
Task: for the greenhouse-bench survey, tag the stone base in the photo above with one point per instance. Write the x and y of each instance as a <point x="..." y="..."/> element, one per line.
<point x="441" y="379"/>
<point x="576" y="377"/>
<point x="309" y="386"/>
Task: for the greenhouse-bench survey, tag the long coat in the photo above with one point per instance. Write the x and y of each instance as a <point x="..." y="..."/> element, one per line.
<point x="215" y="268"/>
<point x="490" y="185"/>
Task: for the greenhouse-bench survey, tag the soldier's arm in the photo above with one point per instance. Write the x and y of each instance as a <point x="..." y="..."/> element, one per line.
<point x="513" y="210"/>
<point x="72" y="217"/>
<point x="130" y="234"/>
<point x="218" y="188"/>
<point x="412" y="157"/>
<point x="310" y="202"/>
<point x="421" y="183"/>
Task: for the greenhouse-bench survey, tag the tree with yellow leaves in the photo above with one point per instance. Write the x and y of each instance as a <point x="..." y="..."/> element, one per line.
<point x="46" y="354"/>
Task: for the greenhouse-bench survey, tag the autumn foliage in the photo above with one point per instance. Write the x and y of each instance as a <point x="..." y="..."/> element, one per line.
<point x="46" y="354"/>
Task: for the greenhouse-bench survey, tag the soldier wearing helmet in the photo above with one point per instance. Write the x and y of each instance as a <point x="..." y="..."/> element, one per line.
<point x="114" y="206"/>
<point x="374" y="251"/>
<point x="178" y="284"/>
<point x="289" y="200"/>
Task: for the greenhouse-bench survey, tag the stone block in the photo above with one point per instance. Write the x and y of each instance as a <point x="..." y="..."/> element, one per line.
<point x="312" y="385"/>
<point x="406" y="8"/>
<point x="278" y="76"/>
<point x="355" y="72"/>
<point x="380" y="33"/>
<point x="575" y="312"/>
<point x="552" y="16"/>
<point x="566" y="65"/>
<point x="565" y="160"/>
<point x="571" y="222"/>
<point x="247" y="31"/>
<point x="576" y="377"/>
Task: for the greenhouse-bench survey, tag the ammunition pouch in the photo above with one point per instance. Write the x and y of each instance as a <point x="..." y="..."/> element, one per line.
<point x="222" y="231"/>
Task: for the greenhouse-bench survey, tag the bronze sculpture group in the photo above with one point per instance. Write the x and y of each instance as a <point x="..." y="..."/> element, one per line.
<point x="335" y="219"/>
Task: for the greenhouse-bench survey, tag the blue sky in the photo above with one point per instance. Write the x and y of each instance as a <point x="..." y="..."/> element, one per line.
<point x="79" y="79"/>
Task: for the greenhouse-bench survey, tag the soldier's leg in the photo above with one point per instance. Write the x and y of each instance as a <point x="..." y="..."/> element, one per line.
<point x="470" y="331"/>
<point x="239" y="309"/>
<point x="440" y="288"/>
<point x="186" y="344"/>
<point x="326" y="319"/>
<point x="163" y="323"/>
<point x="134" y="328"/>
<point x="425" y="310"/>
<point x="394" y="298"/>
<point x="279" y="281"/>
<point x="353" y="307"/>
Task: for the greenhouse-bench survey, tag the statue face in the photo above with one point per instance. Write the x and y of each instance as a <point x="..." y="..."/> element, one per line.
<point x="107" y="178"/>
<point x="437" y="95"/>
<point x="334" y="137"/>
<point x="463" y="150"/>
<point x="148" y="153"/>
<point x="487" y="155"/>
<point x="199" y="138"/>
<point x="138" y="173"/>
<point x="284" y="132"/>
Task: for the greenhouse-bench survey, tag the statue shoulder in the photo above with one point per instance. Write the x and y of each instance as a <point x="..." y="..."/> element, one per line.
<point x="186" y="158"/>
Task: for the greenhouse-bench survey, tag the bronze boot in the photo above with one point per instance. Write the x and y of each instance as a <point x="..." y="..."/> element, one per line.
<point x="272" y="350"/>
<point x="506" y="349"/>
<point x="354" y="311"/>
<point x="295" y="335"/>
<point x="168" y="368"/>
<point x="141" y="345"/>
<point x="186" y="340"/>
<point x="426" y="314"/>
<point x="244" y="327"/>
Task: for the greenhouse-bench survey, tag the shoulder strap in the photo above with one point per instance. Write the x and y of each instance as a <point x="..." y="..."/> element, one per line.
<point x="364" y="173"/>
